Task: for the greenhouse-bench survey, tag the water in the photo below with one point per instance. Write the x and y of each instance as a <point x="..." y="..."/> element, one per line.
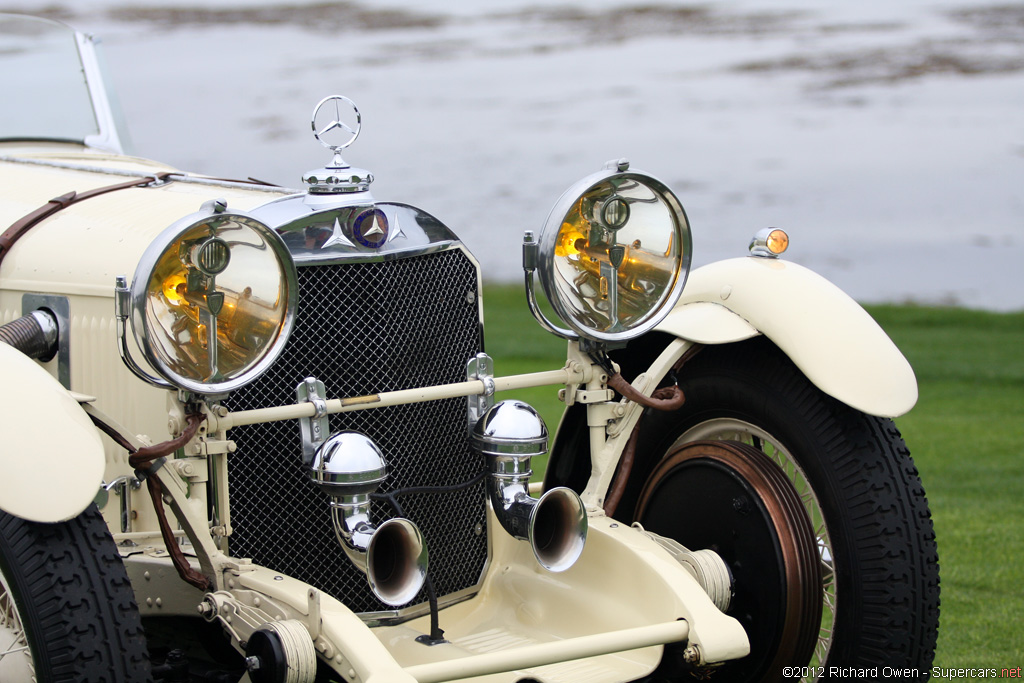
<point x="886" y="138"/>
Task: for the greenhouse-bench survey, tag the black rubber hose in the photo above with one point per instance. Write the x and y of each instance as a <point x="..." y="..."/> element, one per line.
<point x="34" y="334"/>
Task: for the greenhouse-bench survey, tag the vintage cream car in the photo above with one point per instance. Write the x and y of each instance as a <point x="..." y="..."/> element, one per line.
<point x="250" y="433"/>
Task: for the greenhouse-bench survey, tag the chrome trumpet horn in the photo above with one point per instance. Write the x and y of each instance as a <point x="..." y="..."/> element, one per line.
<point x="509" y="434"/>
<point x="349" y="467"/>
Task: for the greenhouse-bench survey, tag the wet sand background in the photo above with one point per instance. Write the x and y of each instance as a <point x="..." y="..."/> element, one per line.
<point x="887" y="138"/>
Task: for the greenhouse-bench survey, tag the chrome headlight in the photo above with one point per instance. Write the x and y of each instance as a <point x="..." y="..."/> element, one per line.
<point x="213" y="300"/>
<point x="614" y="254"/>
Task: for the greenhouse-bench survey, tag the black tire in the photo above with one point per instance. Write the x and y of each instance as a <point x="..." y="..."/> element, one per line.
<point x="67" y="586"/>
<point x="861" y="490"/>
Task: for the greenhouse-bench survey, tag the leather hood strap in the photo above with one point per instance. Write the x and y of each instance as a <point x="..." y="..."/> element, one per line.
<point x="21" y="226"/>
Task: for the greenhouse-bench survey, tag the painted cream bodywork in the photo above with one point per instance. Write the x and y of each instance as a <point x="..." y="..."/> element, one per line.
<point x="80" y="250"/>
<point x="52" y="463"/>
<point x="623" y="580"/>
<point x="833" y="341"/>
<point x="623" y="583"/>
<point x="77" y="253"/>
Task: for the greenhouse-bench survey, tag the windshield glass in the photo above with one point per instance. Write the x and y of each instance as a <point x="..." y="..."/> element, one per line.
<point x="43" y="82"/>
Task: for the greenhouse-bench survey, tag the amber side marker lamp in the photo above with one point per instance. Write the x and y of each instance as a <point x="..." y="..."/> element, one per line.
<point x="769" y="243"/>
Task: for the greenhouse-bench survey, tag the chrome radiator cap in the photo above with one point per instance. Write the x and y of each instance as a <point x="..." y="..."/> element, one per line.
<point x="331" y="130"/>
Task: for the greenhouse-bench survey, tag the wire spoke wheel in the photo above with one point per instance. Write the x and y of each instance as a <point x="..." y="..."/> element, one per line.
<point x="876" y="591"/>
<point x="731" y="498"/>
<point x="729" y="429"/>
<point x="15" y="655"/>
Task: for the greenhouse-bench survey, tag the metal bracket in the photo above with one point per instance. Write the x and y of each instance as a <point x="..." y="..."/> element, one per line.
<point x="122" y="488"/>
<point x="59" y="307"/>
<point x="594" y="396"/>
<point x="481" y="367"/>
<point x="531" y="257"/>
<point x="142" y="475"/>
<point x="193" y="469"/>
<point x="122" y="311"/>
<point x="242" y="613"/>
<point x="314" y="430"/>
<point x="212" y="447"/>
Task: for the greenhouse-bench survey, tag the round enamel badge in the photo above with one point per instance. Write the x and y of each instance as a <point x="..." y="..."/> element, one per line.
<point x="371" y="228"/>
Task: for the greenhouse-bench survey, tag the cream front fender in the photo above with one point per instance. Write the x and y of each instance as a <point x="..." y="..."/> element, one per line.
<point x="833" y="341"/>
<point x="51" y="465"/>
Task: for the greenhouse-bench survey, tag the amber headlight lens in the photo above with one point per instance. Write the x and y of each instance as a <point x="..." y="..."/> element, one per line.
<point x="213" y="301"/>
<point x="615" y="252"/>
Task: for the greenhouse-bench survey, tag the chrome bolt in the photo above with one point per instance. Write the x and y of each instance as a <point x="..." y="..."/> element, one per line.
<point x="252" y="663"/>
<point x="691" y="655"/>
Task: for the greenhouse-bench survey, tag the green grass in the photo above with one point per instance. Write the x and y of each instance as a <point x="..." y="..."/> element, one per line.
<point x="966" y="434"/>
<point x="967" y="437"/>
<point x="518" y="345"/>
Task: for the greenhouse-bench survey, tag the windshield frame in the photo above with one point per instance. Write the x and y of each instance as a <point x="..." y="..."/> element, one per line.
<point x="108" y="132"/>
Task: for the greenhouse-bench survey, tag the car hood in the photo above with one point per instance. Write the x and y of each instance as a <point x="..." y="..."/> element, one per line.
<point x="82" y="248"/>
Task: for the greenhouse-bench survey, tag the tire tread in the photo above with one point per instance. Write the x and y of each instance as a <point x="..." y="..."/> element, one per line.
<point x="866" y="482"/>
<point x="75" y="599"/>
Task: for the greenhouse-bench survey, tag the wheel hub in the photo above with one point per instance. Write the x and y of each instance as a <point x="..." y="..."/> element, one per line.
<point x="729" y="497"/>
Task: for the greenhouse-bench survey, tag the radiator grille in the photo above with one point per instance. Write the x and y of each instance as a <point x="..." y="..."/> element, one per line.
<point x="364" y="328"/>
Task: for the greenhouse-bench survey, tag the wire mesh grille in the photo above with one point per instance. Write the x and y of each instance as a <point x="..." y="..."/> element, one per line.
<point x="364" y="328"/>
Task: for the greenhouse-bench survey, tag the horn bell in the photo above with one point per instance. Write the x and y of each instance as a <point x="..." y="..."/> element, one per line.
<point x="508" y="435"/>
<point x="349" y="467"/>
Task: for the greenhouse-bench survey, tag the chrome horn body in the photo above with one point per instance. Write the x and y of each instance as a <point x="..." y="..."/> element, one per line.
<point x="508" y="435"/>
<point x="349" y="467"/>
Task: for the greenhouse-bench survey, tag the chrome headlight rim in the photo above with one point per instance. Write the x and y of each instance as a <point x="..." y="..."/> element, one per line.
<point x="144" y="271"/>
<point x="549" y="236"/>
